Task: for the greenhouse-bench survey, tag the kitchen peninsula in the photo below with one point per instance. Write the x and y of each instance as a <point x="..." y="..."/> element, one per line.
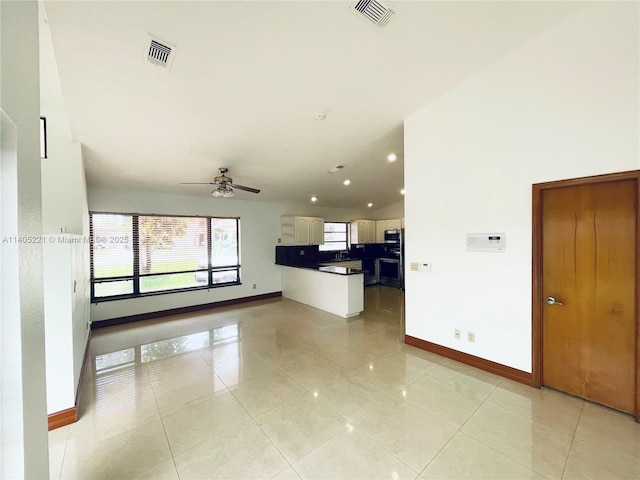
<point x="334" y="289"/>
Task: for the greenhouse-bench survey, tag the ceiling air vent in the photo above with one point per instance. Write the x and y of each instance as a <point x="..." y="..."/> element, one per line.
<point x="160" y="53"/>
<point x="336" y="169"/>
<point x="375" y="11"/>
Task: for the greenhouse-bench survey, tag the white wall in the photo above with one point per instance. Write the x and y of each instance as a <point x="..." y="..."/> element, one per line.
<point x="11" y="431"/>
<point x="63" y="179"/>
<point x="24" y="445"/>
<point x="259" y="233"/>
<point x="66" y="309"/>
<point x="57" y="310"/>
<point x="395" y="210"/>
<point x="563" y="105"/>
<point x="64" y="208"/>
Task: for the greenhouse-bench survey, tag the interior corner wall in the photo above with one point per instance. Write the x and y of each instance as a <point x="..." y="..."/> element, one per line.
<point x="395" y="210"/>
<point x="259" y="233"/>
<point x="64" y="217"/>
<point x="24" y="445"/>
<point x="563" y="105"/>
<point x="63" y="182"/>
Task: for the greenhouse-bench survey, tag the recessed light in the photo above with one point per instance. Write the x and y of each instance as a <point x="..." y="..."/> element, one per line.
<point x="320" y="116"/>
<point x="314" y="199"/>
<point x="369" y="204"/>
<point x="402" y="192"/>
<point x="392" y="157"/>
<point x="346" y="182"/>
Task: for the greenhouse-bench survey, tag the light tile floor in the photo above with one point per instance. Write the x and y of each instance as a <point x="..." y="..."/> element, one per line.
<point x="277" y="389"/>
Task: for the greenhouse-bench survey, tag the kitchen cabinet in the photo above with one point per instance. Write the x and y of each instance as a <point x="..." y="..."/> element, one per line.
<point x="339" y="294"/>
<point x="388" y="224"/>
<point x="381" y="226"/>
<point x="297" y="230"/>
<point x="363" y="231"/>
<point x="316" y="230"/>
<point x="392" y="224"/>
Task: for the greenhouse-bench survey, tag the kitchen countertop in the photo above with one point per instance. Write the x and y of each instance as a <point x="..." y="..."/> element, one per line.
<point x="340" y="270"/>
<point x="336" y="270"/>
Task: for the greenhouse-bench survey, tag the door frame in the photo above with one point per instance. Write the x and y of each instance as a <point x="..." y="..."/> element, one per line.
<point x="537" y="295"/>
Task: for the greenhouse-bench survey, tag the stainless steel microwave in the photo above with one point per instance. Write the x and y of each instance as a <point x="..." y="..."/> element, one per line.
<point x="392" y="236"/>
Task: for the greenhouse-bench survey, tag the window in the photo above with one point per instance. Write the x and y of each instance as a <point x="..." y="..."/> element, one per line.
<point x="137" y="255"/>
<point x="335" y="236"/>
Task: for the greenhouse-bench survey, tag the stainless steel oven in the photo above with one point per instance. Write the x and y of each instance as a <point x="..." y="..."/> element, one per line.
<point x="392" y="236"/>
<point x="389" y="272"/>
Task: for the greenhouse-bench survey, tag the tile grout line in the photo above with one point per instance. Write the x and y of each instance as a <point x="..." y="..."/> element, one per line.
<point x="493" y="448"/>
<point x="486" y="399"/>
<point x="573" y="439"/>
<point x="164" y="429"/>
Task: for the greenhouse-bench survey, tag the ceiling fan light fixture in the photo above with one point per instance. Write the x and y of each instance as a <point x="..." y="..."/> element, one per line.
<point x="224" y="185"/>
<point x="223" y="192"/>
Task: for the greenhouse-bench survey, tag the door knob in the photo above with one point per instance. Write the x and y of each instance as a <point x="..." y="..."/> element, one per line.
<point x="553" y="301"/>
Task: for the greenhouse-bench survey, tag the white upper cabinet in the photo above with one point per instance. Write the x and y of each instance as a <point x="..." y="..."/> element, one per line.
<point x="295" y="230"/>
<point x="316" y="230"/>
<point x="363" y="231"/>
<point x="381" y="226"/>
<point x="371" y="231"/>
<point x="302" y="231"/>
<point x="393" y="224"/>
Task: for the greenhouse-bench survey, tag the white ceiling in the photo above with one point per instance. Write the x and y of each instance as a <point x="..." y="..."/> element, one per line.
<point x="248" y="78"/>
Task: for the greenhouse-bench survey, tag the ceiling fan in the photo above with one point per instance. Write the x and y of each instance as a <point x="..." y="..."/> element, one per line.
<point x="224" y="185"/>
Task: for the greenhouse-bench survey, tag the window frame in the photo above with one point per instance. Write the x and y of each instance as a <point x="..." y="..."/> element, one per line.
<point x="328" y="242"/>
<point x="136" y="276"/>
<point x="43" y="138"/>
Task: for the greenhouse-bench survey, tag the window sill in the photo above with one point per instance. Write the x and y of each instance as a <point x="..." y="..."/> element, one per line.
<point x="162" y="292"/>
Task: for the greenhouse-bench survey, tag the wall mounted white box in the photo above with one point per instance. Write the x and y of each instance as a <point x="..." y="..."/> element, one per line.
<point x="486" y="242"/>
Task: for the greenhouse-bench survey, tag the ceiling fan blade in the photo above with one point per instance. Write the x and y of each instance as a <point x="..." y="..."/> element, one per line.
<point x="241" y="187"/>
<point x="198" y="183"/>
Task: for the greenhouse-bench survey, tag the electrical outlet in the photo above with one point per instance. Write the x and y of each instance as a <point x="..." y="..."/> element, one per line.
<point x="456" y="333"/>
<point x="471" y="337"/>
<point x="254" y="286"/>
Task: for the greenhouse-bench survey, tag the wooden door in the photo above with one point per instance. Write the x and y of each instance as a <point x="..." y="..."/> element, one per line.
<point x="588" y="267"/>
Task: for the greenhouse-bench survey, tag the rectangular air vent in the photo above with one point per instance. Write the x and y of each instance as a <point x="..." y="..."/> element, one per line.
<point x="375" y="11"/>
<point x="160" y="53"/>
